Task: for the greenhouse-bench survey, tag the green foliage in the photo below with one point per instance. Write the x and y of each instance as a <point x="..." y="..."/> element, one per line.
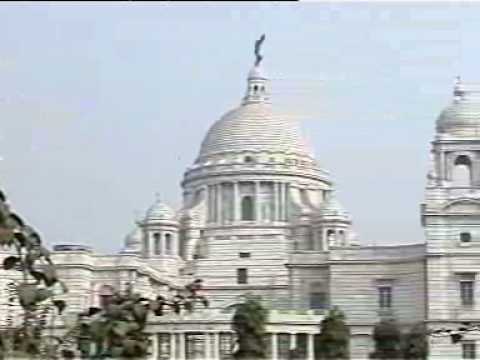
<point x="35" y="292"/>
<point x="249" y="325"/>
<point x="333" y="341"/>
<point x="118" y="329"/>
<point x="387" y="337"/>
<point x="415" y="343"/>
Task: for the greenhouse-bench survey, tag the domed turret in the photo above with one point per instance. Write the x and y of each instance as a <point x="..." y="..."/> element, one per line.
<point x="159" y="212"/>
<point x="332" y="210"/>
<point x="133" y="242"/>
<point x="462" y="117"/>
<point x="160" y="228"/>
<point x="334" y="222"/>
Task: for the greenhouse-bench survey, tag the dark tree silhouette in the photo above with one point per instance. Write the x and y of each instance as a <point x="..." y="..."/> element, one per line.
<point x="249" y="325"/>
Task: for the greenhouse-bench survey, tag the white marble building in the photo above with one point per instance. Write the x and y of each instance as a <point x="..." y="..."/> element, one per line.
<point x="260" y="215"/>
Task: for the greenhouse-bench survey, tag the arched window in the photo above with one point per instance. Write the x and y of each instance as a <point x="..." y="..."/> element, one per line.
<point x="105" y="295"/>
<point x="462" y="171"/>
<point x="465" y="237"/>
<point x="331" y="238"/>
<point x="248" y="208"/>
<point x="157" y="241"/>
<point x="255" y="88"/>
<point x="168" y="243"/>
<point x="341" y="238"/>
<point x="318" y="296"/>
<point x="248" y="159"/>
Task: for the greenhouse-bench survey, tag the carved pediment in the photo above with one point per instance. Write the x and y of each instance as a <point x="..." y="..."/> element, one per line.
<point x="463" y="206"/>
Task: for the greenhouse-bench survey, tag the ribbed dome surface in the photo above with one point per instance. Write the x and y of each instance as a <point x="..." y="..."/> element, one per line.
<point x="254" y="127"/>
<point x="133" y="240"/>
<point x="462" y="117"/>
<point x="159" y="211"/>
<point x="332" y="208"/>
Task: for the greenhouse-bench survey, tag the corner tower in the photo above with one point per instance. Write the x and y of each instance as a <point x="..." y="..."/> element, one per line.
<point x="451" y="215"/>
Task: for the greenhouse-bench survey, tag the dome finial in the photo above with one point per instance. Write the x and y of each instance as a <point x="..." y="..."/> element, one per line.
<point x="258" y="45"/>
<point x="458" y="89"/>
<point x="158" y="196"/>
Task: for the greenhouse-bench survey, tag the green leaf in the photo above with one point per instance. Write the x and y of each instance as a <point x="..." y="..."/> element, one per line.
<point x="68" y="354"/>
<point x="14" y="221"/>
<point x="59" y="288"/>
<point x="60" y="305"/>
<point x="27" y="294"/>
<point x="50" y="275"/>
<point x="120" y="328"/>
<point x="6" y="236"/>
<point x="37" y="275"/>
<point x="42" y="294"/>
<point x="456" y="338"/>
<point x="140" y="312"/>
<point x="10" y="262"/>
<point x="203" y="300"/>
<point x="188" y="305"/>
<point x="98" y="330"/>
<point x="116" y="351"/>
<point x="20" y="236"/>
<point x="93" y="311"/>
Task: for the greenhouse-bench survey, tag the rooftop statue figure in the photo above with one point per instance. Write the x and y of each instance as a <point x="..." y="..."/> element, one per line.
<point x="258" y="45"/>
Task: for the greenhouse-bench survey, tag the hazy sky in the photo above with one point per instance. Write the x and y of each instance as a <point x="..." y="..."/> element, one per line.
<point x="103" y="105"/>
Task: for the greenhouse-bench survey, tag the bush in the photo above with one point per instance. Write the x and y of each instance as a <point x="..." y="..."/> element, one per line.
<point x="387" y="337"/>
<point x="249" y="325"/>
<point x="333" y="341"/>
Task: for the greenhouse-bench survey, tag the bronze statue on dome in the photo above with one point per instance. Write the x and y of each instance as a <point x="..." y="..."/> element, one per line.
<point x="258" y="45"/>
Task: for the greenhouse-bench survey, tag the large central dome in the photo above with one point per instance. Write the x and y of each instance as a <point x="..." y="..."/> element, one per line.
<point x="254" y="127"/>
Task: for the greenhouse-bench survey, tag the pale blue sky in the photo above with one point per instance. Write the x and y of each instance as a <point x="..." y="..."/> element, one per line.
<point x="103" y="105"/>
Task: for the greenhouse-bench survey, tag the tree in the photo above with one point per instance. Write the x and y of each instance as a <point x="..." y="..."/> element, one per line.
<point x="34" y="289"/>
<point x="249" y="325"/>
<point x="118" y="330"/>
<point x="387" y="337"/>
<point x="333" y="341"/>
<point x="415" y="343"/>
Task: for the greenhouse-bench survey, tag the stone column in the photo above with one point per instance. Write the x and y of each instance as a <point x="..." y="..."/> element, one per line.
<point x="275" y="201"/>
<point x="257" y="202"/>
<point x="207" y="347"/>
<point x="173" y="346"/>
<point x="175" y="249"/>
<point x="151" y="244"/>
<point x="310" y="347"/>
<point x="236" y="203"/>
<point x="155" y="351"/>
<point x="293" y="341"/>
<point x="274" y="354"/>
<point x="219" y="203"/>
<point x="216" y="346"/>
<point x="181" y="353"/>
<point x="444" y="173"/>
<point x="163" y="241"/>
<point x="285" y="201"/>
<point x="282" y="201"/>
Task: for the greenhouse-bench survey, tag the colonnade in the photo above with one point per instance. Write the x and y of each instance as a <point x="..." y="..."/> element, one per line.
<point x="211" y="346"/>
<point x="279" y="193"/>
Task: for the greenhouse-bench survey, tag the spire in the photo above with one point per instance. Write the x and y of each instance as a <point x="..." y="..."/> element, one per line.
<point x="257" y="82"/>
<point x="458" y="89"/>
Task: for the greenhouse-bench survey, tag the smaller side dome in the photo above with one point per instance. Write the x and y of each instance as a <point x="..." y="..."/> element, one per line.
<point x="331" y="209"/>
<point x="159" y="211"/>
<point x="133" y="241"/>
<point x="462" y="116"/>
